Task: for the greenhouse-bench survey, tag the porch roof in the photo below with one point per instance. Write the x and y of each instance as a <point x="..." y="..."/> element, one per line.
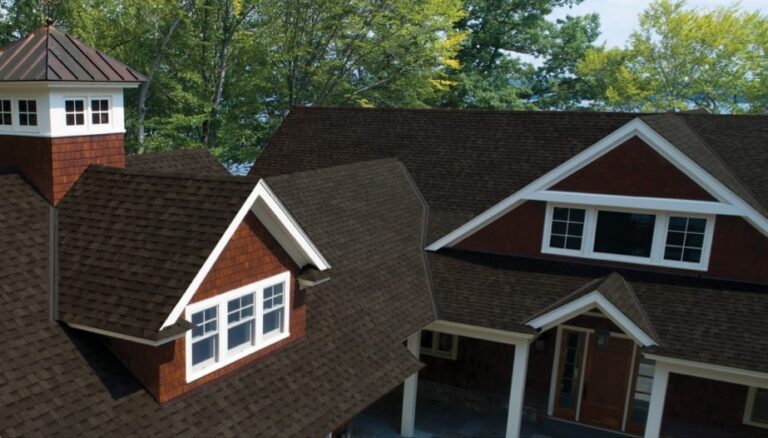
<point x="694" y="319"/>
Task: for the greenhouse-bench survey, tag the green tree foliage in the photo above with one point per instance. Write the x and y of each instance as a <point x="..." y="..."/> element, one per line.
<point x="491" y="73"/>
<point x="682" y="58"/>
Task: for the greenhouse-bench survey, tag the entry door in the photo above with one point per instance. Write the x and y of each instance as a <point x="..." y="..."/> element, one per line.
<point x="606" y="380"/>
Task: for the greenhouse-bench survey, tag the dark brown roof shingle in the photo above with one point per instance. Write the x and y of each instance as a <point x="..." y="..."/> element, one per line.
<point x="183" y="161"/>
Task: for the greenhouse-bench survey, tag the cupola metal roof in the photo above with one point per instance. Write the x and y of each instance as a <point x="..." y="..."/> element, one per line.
<point x="48" y="54"/>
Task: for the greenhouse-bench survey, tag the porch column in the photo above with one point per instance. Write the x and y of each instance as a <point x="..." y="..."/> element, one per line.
<point x="408" y="420"/>
<point x="658" y="396"/>
<point x="517" y="390"/>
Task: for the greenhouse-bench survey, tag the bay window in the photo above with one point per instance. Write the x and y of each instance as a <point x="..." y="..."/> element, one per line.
<point x="232" y="325"/>
<point x="641" y="236"/>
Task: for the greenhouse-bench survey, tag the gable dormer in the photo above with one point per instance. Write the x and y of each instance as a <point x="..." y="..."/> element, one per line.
<point x="61" y="109"/>
<point x="633" y="199"/>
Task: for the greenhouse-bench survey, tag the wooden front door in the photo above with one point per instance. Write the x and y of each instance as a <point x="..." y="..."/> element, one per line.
<point x="606" y="380"/>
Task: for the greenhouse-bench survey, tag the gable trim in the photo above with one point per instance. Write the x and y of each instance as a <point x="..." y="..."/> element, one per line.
<point x="586" y="303"/>
<point x="635" y="202"/>
<point x="280" y="223"/>
<point x="138" y="340"/>
<point x="635" y="127"/>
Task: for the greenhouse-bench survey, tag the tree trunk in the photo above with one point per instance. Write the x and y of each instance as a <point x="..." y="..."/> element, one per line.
<point x="144" y="89"/>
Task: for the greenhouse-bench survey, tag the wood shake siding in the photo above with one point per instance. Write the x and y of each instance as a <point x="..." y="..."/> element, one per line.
<point x="251" y="255"/>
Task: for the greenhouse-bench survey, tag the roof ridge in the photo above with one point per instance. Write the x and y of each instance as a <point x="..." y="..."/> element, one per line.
<point x="171" y="174"/>
<point x="464" y="110"/>
<point x="336" y="167"/>
<point x="636" y="300"/>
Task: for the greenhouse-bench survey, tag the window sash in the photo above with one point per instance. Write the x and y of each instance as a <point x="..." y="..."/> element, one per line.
<point x="658" y="244"/>
<point x="74" y="111"/>
<point x="27" y="109"/>
<point x="253" y="318"/>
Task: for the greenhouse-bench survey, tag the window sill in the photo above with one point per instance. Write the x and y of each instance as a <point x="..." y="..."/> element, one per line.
<point x="626" y="259"/>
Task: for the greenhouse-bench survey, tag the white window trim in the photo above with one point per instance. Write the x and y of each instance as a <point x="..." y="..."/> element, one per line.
<point x="436" y="352"/>
<point x="17" y="126"/>
<point x="657" y="246"/>
<point x="223" y="357"/>
<point x="749" y="407"/>
<point x="12" y="126"/>
<point x="89" y="111"/>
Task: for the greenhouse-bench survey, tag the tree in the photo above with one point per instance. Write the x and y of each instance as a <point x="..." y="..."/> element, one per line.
<point x="683" y="58"/>
<point x="491" y="73"/>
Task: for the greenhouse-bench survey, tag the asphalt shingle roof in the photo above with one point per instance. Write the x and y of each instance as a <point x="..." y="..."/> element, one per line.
<point x="184" y="161"/>
<point x="58" y="381"/>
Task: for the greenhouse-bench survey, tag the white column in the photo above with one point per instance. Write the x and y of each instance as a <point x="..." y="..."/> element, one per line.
<point x="408" y="420"/>
<point x="517" y="390"/>
<point x="658" y="396"/>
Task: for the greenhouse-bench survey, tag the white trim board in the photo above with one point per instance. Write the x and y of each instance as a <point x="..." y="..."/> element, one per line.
<point x="635" y="128"/>
<point x="125" y="337"/>
<point x="586" y="303"/>
<point x="278" y="221"/>
<point x="704" y="370"/>
<point x="476" y="332"/>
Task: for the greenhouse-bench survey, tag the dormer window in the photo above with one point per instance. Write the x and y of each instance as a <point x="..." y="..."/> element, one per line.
<point x="27" y="112"/>
<point x="100" y="111"/>
<point x="74" y="110"/>
<point x="643" y="237"/>
<point x="230" y="326"/>
<point x="6" y="118"/>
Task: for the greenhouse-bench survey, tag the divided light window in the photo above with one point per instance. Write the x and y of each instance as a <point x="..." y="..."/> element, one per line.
<point x="439" y="344"/>
<point x="252" y="317"/>
<point x="651" y="238"/>
<point x="5" y="112"/>
<point x="27" y="112"/>
<point x="74" y="110"/>
<point x="100" y="111"/>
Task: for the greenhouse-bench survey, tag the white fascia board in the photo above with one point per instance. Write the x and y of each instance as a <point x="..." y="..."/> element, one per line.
<point x="705" y="370"/>
<point x="635" y="202"/>
<point x="68" y="84"/>
<point x="635" y="127"/>
<point x="477" y="332"/>
<point x="126" y="337"/>
<point x="260" y="191"/>
<point x="588" y="302"/>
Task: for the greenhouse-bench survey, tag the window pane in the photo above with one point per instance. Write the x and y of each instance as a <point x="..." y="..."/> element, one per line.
<point x="624" y="233"/>
<point x="94" y="105"/>
<point x="80" y="119"/>
<point x="426" y="339"/>
<point x="697" y="225"/>
<point x="760" y="408"/>
<point x="203" y="350"/>
<point x="573" y="243"/>
<point x="79" y="106"/>
<point x="95" y="119"/>
<point x="70" y="120"/>
<point x="6" y="106"/>
<point x="22" y="106"/>
<point x="557" y="241"/>
<point x="644" y="384"/>
<point x="560" y="214"/>
<point x="7" y="119"/>
<point x="32" y="106"/>
<point x="240" y="334"/>
<point x="69" y="106"/>
<point x="640" y="408"/>
<point x="559" y="227"/>
<point x="673" y="253"/>
<point x="273" y="321"/>
<point x="691" y="255"/>
<point x="677" y="223"/>
<point x="445" y="342"/>
<point x="105" y="118"/>
<point x="32" y="120"/>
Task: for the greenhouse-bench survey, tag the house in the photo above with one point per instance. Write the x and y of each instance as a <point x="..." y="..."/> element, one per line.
<point x="601" y="268"/>
<point x="607" y="269"/>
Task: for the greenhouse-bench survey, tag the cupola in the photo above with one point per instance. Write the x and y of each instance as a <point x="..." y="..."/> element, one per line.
<point x="61" y="109"/>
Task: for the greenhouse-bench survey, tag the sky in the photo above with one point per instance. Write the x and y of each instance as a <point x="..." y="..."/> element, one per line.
<point x="618" y="18"/>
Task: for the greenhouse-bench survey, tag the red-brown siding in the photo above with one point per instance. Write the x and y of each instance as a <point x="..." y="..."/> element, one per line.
<point x="739" y="251"/>
<point x="517" y="232"/>
<point x="633" y="169"/>
<point x="251" y="255"/>
<point x="53" y="165"/>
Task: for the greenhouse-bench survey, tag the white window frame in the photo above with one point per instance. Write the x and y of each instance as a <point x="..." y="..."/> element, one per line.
<point x="749" y="407"/>
<point x="17" y="114"/>
<point x="86" y="113"/>
<point x="658" y="243"/>
<point x="208" y="362"/>
<point x="98" y="126"/>
<point x="436" y="352"/>
<point x="12" y="113"/>
<point x="223" y="356"/>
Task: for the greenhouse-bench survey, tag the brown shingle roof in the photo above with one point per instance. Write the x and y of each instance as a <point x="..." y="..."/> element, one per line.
<point x="721" y="323"/>
<point x="190" y="161"/>
<point x="57" y="381"/>
<point x="48" y="54"/>
<point x="131" y="242"/>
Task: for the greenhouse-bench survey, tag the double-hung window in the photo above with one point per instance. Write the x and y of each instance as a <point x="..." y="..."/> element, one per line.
<point x="643" y="237"/>
<point x="204" y="336"/>
<point x="232" y="325"/>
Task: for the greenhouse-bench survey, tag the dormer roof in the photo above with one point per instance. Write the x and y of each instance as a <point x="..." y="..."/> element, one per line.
<point x="48" y="54"/>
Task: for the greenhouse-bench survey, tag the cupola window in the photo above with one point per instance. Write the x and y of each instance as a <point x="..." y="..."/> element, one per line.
<point x="100" y="111"/>
<point x="27" y="112"/>
<point x="75" y="112"/>
<point x="5" y="112"/>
